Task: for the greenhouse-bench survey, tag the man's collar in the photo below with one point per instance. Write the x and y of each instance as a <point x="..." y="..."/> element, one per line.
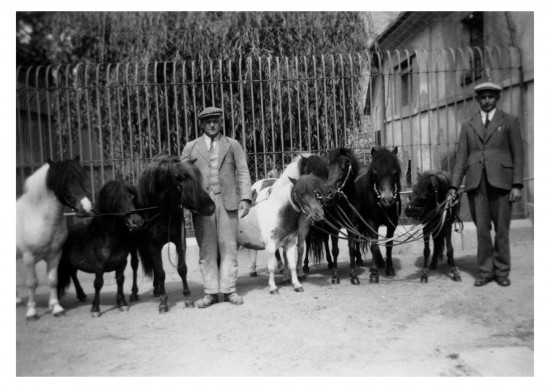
<point x="491" y="114"/>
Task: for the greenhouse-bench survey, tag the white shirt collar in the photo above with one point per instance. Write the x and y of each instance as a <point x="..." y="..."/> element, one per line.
<point x="491" y="114"/>
<point x="208" y="139"/>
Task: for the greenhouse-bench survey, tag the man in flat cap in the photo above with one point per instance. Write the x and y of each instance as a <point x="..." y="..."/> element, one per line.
<point x="222" y="162"/>
<point x="490" y="156"/>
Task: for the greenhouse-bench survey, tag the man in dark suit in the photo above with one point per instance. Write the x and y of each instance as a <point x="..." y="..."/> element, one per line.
<point x="490" y="155"/>
<point x="222" y="162"/>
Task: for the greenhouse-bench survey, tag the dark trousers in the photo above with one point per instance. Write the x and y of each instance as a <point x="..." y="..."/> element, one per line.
<point x="490" y="205"/>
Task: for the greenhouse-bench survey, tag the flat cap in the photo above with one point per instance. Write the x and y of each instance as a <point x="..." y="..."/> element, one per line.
<point x="211" y="111"/>
<point x="488" y="86"/>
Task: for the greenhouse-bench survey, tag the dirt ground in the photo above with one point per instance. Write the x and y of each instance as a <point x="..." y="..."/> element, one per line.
<point x="398" y="327"/>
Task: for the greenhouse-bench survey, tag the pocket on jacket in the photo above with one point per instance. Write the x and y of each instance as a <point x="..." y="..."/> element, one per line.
<point x="507" y="164"/>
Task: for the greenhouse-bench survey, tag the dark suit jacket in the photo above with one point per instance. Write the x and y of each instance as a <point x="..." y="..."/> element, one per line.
<point x="233" y="169"/>
<point x="500" y="151"/>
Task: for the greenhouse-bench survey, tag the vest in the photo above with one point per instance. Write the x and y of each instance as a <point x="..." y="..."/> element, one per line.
<point x="214" y="169"/>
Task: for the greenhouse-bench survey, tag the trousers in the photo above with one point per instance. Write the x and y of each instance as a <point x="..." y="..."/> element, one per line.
<point x="490" y="205"/>
<point x="217" y="236"/>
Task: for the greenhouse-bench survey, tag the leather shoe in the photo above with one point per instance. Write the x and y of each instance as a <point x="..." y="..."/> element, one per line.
<point x="207" y="301"/>
<point x="482" y="282"/>
<point x="233" y="298"/>
<point x="504" y="282"/>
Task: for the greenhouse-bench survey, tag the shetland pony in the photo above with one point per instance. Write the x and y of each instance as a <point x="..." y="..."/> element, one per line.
<point x="428" y="205"/>
<point x="102" y="244"/>
<point x="41" y="227"/>
<point x="167" y="186"/>
<point x="378" y="202"/>
<point x="302" y="165"/>
<point x="283" y="219"/>
<point x="343" y="168"/>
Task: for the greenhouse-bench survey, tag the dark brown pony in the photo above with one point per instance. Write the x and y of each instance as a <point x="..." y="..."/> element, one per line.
<point x="378" y="202"/>
<point x="167" y="186"/>
<point x="428" y="205"/>
<point x="103" y="243"/>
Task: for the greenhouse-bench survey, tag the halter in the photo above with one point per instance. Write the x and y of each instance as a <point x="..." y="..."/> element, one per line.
<point x="395" y="192"/>
<point x="300" y="209"/>
<point x="339" y="189"/>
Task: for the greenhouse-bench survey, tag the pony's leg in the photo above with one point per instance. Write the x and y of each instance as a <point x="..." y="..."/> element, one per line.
<point x="438" y="250"/>
<point x="272" y="267"/>
<point x="253" y="269"/>
<point x="390" y="271"/>
<point x="159" y="276"/>
<point x="335" y="250"/>
<point x="305" y="267"/>
<point x="53" y="304"/>
<point x="119" y="275"/>
<point x="450" y="254"/>
<point x="182" y="271"/>
<point x="80" y="294"/>
<point x="280" y="262"/>
<point x="134" y="263"/>
<point x="292" y="256"/>
<point x="426" y="238"/>
<point x="283" y="269"/>
<point x="98" y="285"/>
<point x="299" y="266"/>
<point x="303" y="231"/>
<point x="32" y="283"/>
<point x="353" y="251"/>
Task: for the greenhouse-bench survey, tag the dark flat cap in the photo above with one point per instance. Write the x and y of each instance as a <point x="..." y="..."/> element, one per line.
<point x="211" y="111"/>
<point x="488" y="86"/>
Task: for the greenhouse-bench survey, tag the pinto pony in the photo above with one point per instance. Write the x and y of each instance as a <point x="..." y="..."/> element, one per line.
<point x="284" y="218"/>
<point x="428" y="205"/>
<point x="165" y="187"/>
<point x="41" y="227"/>
<point x="103" y="244"/>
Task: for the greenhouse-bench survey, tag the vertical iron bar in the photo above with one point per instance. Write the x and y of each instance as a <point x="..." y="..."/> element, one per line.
<point x="325" y="110"/>
<point x="68" y="106"/>
<point x="100" y="127"/>
<point x="48" y="108"/>
<point x="111" y="137"/>
<point x="241" y="92"/>
<point x="133" y="168"/>
<point x="262" y="114"/>
<point x="231" y="99"/>
<point x="290" y="134"/>
<point x="148" y="110"/>
<point x="222" y="103"/>
<point x="333" y="82"/>
<point x="78" y="116"/>
<point x="120" y="126"/>
<point x="58" y="111"/>
<point x="156" y="89"/>
<point x="88" y="111"/>
<point x="193" y="88"/>
<point x="253" y="125"/>
<point x="316" y="104"/>
<point x="39" y="113"/>
<point x="138" y="105"/>
<point x="281" y="130"/>
<point x="166" y="108"/>
<point x="184" y="92"/>
<point x="307" y="105"/>
<point x="300" y="145"/>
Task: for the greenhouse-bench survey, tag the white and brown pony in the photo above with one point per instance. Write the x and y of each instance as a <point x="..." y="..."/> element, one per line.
<point x="283" y="219"/>
<point x="41" y="224"/>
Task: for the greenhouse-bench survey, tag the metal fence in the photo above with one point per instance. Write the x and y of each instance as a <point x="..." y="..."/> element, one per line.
<point x="118" y="116"/>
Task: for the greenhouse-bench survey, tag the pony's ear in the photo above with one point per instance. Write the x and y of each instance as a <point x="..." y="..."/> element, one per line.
<point x="395" y="150"/>
<point x="304" y="156"/>
<point x="50" y="162"/>
<point x="77" y="158"/>
<point x="292" y="180"/>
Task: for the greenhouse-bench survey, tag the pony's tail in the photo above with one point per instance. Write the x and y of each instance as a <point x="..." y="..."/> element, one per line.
<point x="63" y="275"/>
<point x="146" y="261"/>
<point x="315" y="240"/>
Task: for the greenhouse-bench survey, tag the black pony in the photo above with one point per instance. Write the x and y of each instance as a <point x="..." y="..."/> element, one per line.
<point x="343" y="167"/>
<point x="378" y="202"/>
<point x="103" y="243"/>
<point x="428" y="205"/>
<point x="167" y="186"/>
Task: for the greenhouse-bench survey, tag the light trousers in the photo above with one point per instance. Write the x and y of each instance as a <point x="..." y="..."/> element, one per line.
<point x="217" y="235"/>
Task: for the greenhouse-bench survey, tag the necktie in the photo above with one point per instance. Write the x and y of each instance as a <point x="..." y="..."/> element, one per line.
<point x="487" y="121"/>
<point x="211" y="144"/>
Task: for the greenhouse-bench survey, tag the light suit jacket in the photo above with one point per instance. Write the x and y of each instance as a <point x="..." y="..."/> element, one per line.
<point x="233" y="169"/>
<point x="499" y="149"/>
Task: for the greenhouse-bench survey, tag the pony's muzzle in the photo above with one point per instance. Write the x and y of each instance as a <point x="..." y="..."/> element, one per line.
<point x="134" y="222"/>
<point x="83" y="207"/>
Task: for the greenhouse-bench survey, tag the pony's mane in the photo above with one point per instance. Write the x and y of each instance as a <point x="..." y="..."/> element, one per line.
<point x="308" y="185"/>
<point x="385" y="162"/>
<point x="64" y="173"/>
<point x="164" y="173"/>
<point x="36" y="183"/>
<point x="336" y="153"/>
<point x="423" y="184"/>
<point x="301" y="165"/>
<point x="113" y="195"/>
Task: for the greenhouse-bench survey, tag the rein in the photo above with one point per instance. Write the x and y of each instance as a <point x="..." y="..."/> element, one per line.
<point x="109" y="214"/>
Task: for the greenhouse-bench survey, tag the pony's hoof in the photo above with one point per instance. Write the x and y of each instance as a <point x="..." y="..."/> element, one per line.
<point x="355" y="281"/>
<point x="433" y="266"/>
<point x="274" y="292"/>
<point x="156" y="293"/>
<point x="299" y="289"/>
<point x="360" y="263"/>
<point x="335" y="281"/>
<point x="253" y="274"/>
<point x="306" y="269"/>
<point x="32" y="318"/>
<point x="390" y="272"/>
<point x="456" y="278"/>
<point x="163" y="309"/>
<point x="95" y="314"/>
<point x="424" y="279"/>
<point x="380" y="263"/>
<point x="58" y="312"/>
<point x="123" y="308"/>
<point x="374" y="279"/>
<point x="134" y="298"/>
<point x="302" y="278"/>
<point x="189" y="303"/>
